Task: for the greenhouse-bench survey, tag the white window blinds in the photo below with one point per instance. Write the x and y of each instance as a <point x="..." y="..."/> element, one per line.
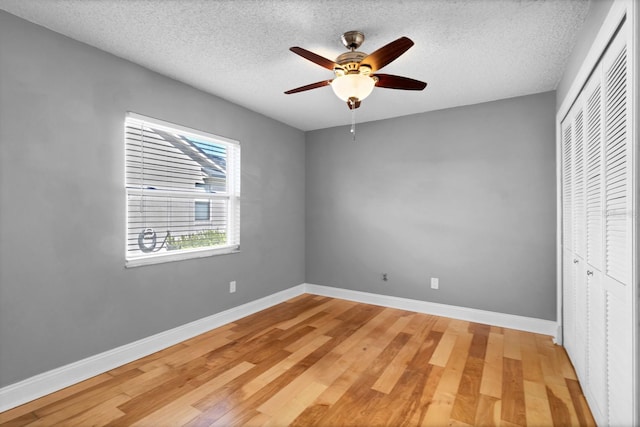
<point x="183" y="192"/>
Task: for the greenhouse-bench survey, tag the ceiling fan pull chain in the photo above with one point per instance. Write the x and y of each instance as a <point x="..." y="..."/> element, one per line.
<point x="353" y="123"/>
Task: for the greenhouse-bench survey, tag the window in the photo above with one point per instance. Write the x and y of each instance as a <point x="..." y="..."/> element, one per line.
<point x="202" y="210"/>
<point x="183" y="192"/>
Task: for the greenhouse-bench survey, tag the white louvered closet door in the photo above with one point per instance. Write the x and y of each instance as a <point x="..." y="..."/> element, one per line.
<point x="578" y="202"/>
<point x="618" y="228"/>
<point x="596" y="379"/>
<point x="567" y="183"/>
<point x="597" y="208"/>
<point x="570" y="259"/>
<point x="579" y="239"/>
<point x="593" y="172"/>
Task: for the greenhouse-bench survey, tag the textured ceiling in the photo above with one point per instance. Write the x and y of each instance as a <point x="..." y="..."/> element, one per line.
<point x="469" y="51"/>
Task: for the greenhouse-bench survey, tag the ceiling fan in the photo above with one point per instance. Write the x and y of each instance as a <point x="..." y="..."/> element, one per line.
<point x="356" y="72"/>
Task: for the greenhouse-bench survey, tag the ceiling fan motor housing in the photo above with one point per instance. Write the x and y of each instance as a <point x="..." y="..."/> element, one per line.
<point x="349" y="63"/>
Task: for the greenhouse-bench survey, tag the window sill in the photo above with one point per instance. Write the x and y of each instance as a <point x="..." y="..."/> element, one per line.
<point x="180" y="255"/>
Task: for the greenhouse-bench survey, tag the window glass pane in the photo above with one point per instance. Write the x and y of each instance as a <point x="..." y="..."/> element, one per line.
<point x="202" y="211"/>
<point x="173" y="219"/>
<point x="159" y="159"/>
<point x="179" y="195"/>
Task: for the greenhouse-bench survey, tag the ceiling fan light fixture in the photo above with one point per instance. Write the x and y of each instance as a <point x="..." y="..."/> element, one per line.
<point x="354" y="85"/>
<point x="354" y="71"/>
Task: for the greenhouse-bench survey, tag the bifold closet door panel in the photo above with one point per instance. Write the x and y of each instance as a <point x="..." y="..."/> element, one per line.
<point x="596" y="383"/>
<point x="578" y="232"/>
<point x="567" y="183"/>
<point x="618" y="229"/>
<point x="581" y="319"/>
<point x="617" y="164"/>
<point x="569" y="303"/>
<point x="569" y="258"/>
<point x="619" y="346"/>
<point x="574" y="224"/>
<point x="593" y="102"/>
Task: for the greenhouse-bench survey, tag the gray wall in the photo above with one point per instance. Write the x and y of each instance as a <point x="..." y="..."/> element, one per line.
<point x="598" y="10"/>
<point x="64" y="291"/>
<point x="465" y="194"/>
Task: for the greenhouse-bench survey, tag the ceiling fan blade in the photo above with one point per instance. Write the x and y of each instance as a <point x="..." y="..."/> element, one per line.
<point x="390" y="81"/>
<point x="388" y="53"/>
<point x="316" y="59"/>
<point x="309" y="87"/>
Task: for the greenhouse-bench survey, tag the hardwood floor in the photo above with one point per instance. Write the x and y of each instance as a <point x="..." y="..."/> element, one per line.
<point x="321" y="361"/>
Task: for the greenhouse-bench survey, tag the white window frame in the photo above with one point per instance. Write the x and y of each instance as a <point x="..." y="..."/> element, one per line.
<point x="232" y="196"/>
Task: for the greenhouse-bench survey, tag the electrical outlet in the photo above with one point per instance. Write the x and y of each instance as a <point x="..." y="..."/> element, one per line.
<point x="435" y="283"/>
<point x="232" y="286"/>
<point x="384" y="277"/>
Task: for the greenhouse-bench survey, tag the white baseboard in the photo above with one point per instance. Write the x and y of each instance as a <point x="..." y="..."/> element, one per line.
<point x="40" y="385"/>
<point x="529" y="324"/>
<point x="64" y="376"/>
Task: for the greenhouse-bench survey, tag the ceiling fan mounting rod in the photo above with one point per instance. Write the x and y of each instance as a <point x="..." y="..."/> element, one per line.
<point x="352" y="39"/>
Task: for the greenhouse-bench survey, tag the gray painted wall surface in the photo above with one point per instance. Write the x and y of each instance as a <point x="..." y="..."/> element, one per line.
<point x="465" y="194"/>
<point x="598" y="10"/>
<point x="64" y="292"/>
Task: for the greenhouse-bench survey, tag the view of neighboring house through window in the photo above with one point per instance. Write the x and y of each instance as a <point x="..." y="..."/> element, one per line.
<point x="183" y="190"/>
<point x="202" y="210"/>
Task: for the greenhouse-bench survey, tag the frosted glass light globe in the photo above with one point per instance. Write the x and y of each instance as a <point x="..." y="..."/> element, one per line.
<point x="352" y="86"/>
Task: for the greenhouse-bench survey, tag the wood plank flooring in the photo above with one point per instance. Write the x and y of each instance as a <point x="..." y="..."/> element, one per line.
<point x="327" y="362"/>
